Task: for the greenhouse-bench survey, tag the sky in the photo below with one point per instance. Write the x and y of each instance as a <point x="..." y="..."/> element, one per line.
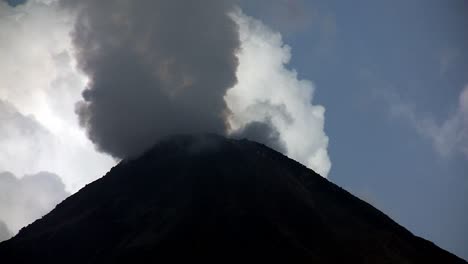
<point x="372" y="95"/>
<point x="391" y="75"/>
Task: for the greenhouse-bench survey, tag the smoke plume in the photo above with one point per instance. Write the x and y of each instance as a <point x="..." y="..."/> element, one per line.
<point x="268" y="92"/>
<point x="163" y="67"/>
<point x="150" y="69"/>
<point x="262" y="132"/>
<point x="156" y="68"/>
<point x="140" y="70"/>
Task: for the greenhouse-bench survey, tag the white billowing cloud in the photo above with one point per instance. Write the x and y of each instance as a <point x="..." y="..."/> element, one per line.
<point x="39" y="86"/>
<point x="24" y="200"/>
<point x="449" y="136"/>
<point x="268" y="92"/>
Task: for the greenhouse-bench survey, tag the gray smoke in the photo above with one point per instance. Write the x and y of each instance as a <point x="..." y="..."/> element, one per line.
<point x="155" y="68"/>
<point x="262" y="132"/>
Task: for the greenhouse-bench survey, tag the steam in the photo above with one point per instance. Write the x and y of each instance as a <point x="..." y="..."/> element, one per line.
<point x="262" y="132"/>
<point x="140" y="71"/>
<point x="268" y="92"/>
<point x="150" y="70"/>
<point x="159" y="68"/>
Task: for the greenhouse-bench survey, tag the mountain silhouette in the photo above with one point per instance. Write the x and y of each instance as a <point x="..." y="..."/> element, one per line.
<point x="208" y="199"/>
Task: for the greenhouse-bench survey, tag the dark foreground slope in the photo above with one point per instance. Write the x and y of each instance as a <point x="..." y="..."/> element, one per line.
<point x="221" y="201"/>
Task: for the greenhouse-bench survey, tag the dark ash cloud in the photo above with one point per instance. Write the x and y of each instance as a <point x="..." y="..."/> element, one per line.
<point x="156" y="68"/>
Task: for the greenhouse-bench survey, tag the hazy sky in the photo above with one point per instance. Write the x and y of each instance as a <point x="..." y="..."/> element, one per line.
<point x="373" y="94"/>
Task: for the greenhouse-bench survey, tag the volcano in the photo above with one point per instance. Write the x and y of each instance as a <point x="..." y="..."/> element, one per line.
<point x="210" y="199"/>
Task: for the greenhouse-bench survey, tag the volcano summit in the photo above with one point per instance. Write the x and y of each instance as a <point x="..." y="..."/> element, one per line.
<point x="217" y="200"/>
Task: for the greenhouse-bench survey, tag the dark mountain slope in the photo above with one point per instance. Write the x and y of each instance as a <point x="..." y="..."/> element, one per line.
<point x="206" y="198"/>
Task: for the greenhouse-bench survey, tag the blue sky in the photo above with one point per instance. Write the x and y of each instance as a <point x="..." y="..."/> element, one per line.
<point x="367" y="58"/>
